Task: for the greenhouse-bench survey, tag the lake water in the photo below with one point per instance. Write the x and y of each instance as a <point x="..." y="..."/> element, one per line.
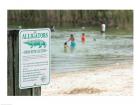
<point x="106" y="50"/>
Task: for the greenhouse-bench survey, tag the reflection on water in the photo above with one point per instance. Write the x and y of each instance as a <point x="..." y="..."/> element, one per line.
<point x="99" y="50"/>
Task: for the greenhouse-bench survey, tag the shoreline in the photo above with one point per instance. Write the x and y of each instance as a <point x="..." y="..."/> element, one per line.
<point x="114" y="80"/>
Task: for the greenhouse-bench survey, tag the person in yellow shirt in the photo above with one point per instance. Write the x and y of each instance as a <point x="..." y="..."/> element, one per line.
<point x="65" y="47"/>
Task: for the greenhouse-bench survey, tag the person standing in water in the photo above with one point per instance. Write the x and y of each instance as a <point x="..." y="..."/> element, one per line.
<point x="73" y="44"/>
<point x="65" y="47"/>
<point x="103" y="28"/>
<point x="83" y="38"/>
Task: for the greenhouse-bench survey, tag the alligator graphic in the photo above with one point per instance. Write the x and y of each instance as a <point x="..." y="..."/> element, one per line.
<point x="38" y="43"/>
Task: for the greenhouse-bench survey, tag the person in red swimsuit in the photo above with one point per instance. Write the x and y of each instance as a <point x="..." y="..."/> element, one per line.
<point x="73" y="44"/>
<point x="83" y="38"/>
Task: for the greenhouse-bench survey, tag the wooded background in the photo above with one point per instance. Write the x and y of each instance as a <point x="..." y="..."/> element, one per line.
<point x="71" y="18"/>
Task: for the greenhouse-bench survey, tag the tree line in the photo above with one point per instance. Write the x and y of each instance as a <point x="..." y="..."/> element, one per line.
<point x="62" y="18"/>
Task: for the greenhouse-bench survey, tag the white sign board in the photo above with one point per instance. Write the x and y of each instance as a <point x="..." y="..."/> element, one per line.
<point x="34" y="57"/>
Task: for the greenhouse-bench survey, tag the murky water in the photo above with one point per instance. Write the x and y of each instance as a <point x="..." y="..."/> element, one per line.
<point x="104" y="51"/>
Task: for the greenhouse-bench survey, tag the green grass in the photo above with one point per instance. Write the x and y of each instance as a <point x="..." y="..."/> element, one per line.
<point x="114" y="31"/>
<point x="111" y="31"/>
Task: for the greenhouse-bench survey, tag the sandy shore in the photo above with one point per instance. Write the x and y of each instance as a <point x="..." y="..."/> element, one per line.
<point x="115" y="80"/>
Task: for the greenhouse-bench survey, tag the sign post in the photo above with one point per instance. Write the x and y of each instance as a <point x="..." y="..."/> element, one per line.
<point x="34" y="57"/>
<point x="28" y="61"/>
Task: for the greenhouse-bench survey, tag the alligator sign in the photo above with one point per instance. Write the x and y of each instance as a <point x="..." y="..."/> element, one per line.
<point x="34" y="57"/>
<point x="34" y="43"/>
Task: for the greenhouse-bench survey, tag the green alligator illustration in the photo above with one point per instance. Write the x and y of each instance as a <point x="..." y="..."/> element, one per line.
<point x="34" y="43"/>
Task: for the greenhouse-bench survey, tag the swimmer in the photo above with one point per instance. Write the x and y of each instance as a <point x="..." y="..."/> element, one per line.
<point x="73" y="44"/>
<point x="65" y="47"/>
<point x="83" y="38"/>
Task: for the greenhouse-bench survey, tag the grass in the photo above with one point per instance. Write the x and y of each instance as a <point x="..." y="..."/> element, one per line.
<point x="109" y="31"/>
<point x="114" y="31"/>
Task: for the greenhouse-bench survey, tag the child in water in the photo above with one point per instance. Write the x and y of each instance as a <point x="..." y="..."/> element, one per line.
<point x="73" y="44"/>
<point x="65" y="47"/>
<point x="83" y="38"/>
